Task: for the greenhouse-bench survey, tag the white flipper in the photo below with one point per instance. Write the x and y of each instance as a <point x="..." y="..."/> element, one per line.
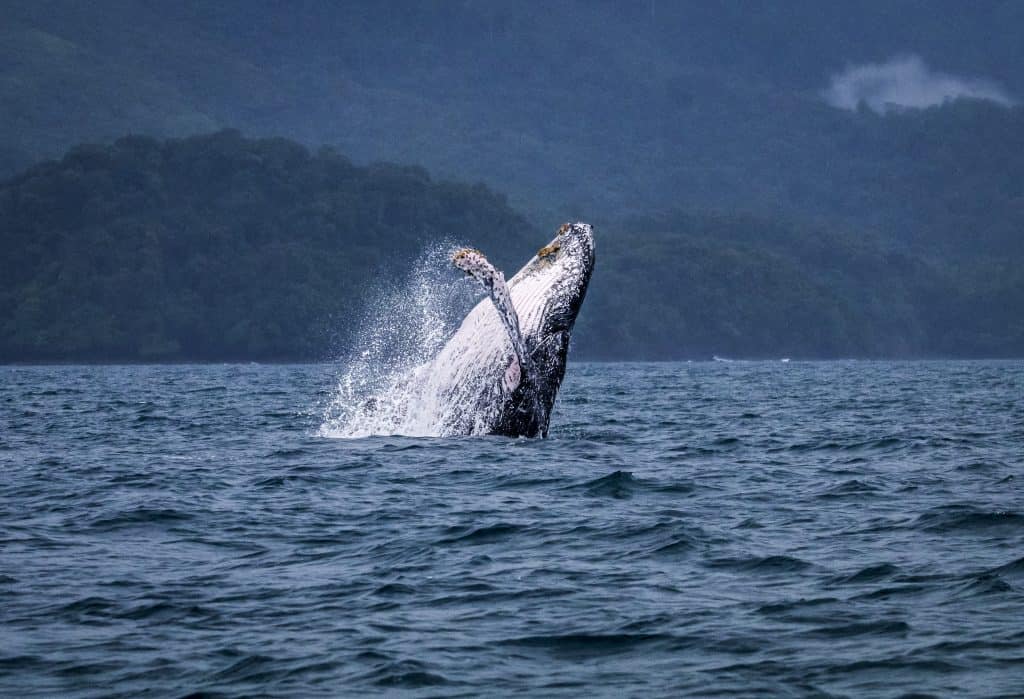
<point x="473" y="263"/>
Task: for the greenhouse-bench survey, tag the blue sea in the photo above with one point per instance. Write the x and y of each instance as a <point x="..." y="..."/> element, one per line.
<point x="707" y="529"/>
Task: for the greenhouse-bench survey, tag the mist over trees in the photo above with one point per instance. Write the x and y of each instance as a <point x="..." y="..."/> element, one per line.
<point x="740" y="210"/>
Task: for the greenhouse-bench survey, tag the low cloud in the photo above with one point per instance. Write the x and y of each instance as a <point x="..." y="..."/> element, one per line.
<point x="906" y="82"/>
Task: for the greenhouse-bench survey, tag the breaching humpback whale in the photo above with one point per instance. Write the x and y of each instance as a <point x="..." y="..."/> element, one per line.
<point x="500" y="371"/>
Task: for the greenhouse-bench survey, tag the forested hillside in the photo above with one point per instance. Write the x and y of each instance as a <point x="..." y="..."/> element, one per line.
<point x="680" y="286"/>
<point x="215" y="247"/>
<point x="222" y="247"/>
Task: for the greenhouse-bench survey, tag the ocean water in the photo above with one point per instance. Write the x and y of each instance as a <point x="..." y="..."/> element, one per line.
<point x="707" y="529"/>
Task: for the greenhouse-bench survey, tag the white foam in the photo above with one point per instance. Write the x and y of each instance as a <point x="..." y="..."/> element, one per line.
<point x="381" y="386"/>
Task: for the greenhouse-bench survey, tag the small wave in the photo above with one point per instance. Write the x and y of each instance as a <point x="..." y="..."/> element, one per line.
<point x="870" y="628"/>
<point x="618" y="485"/>
<point x="982" y="466"/>
<point x="765" y="564"/>
<point x="681" y="545"/>
<point x="795" y="605"/>
<point x="81" y="670"/>
<point x="87" y="606"/>
<point x="482" y="535"/>
<point x="55" y="392"/>
<point x="166" y="611"/>
<point x="24" y="662"/>
<point x="956" y="518"/>
<point x="273" y="481"/>
<point x="140" y="515"/>
<point x="289" y="453"/>
<point x="883" y="443"/>
<point x="147" y="417"/>
<point x="622" y="485"/>
<point x="869" y="574"/>
<point x="749" y="523"/>
<point x="588" y="644"/>
<point x="901" y="590"/>
<point x="986" y="584"/>
<point x="1014" y="567"/>
<point x="409" y="674"/>
<point x="518" y="482"/>
<point x="674" y="487"/>
<point x="410" y="446"/>
<point x="852" y="488"/>
<point x="250" y="668"/>
<point x="395" y="589"/>
<point x="880" y="444"/>
<point x="895" y="664"/>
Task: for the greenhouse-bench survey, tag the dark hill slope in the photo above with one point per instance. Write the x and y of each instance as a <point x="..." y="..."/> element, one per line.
<point x="219" y="247"/>
<point x="677" y="285"/>
<point x="215" y="247"/>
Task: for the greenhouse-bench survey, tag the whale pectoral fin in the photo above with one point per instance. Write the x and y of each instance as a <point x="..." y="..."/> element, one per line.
<point x="473" y="263"/>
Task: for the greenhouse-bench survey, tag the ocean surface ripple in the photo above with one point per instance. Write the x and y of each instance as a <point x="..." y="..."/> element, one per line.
<point x="706" y="529"/>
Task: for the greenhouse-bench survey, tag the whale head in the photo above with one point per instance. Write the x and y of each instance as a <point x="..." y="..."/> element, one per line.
<point x="547" y="294"/>
<point x="548" y="291"/>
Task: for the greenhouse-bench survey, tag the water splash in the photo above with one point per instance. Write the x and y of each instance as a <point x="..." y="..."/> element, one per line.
<point x="382" y="385"/>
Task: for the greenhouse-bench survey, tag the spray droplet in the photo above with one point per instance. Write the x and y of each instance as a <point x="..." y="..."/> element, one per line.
<point x="380" y="389"/>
